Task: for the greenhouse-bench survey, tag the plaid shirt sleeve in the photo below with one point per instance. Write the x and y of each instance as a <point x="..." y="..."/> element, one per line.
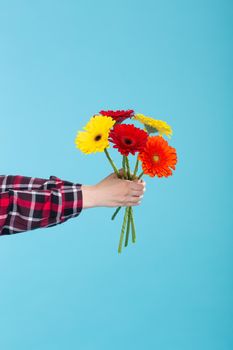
<point x="28" y="203"/>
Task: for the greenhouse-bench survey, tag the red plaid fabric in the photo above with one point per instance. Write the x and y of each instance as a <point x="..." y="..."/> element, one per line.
<point x="28" y="203"/>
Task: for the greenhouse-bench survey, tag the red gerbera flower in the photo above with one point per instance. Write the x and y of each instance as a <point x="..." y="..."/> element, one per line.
<point x="118" y="116"/>
<point x="158" y="157"/>
<point x="128" y="138"/>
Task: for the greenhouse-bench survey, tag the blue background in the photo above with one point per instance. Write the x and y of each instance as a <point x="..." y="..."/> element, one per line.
<point x="66" y="287"/>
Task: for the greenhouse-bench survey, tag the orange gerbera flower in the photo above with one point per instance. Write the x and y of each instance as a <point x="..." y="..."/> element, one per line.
<point x="158" y="157"/>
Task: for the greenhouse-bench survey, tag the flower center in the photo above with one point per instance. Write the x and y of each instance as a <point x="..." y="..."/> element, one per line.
<point x="156" y="158"/>
<point x="128" y="141"/>
<point x="98" y="137"/>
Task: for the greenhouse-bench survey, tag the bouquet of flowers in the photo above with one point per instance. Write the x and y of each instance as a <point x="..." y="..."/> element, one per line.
<point x="154" y="154"/>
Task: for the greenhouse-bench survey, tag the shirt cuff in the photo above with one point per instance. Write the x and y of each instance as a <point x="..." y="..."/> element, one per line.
<point x="72" y="196"/>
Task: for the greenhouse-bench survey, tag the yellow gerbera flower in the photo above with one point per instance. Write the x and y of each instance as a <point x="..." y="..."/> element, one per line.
<point x="95" y="136"/>
<point x="153" y="125"/>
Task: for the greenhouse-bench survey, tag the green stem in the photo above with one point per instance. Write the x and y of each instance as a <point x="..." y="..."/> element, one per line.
<point x="128" y="227"/>
<point x="142" y="173"/>
<point x="136" y="168"/>
<point x="123" y="230"/>
<point x="127" y="167"/>
<point x="112" y="163"/>
<point x="125" y="177"/>
<point x="133" y="226"/>
<point x="123" y="166"/>
<point x="115" y="213"/>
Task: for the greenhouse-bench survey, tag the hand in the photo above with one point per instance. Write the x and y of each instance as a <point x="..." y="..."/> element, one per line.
<point x="113" y="192"/>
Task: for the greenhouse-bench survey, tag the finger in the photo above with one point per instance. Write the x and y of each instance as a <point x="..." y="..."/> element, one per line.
<point x="136" y="193"/>
<point x="122" y="173"/>
<point x="140" y="181"/>
<point x="132" y="204"/>
<point x="134" y="199"/>
<point x="136" y="186"/>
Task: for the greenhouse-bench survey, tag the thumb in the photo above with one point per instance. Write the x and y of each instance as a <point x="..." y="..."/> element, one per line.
<point x="114" y="175"/>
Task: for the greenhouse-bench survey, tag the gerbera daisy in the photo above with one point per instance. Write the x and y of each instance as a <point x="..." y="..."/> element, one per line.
<point x="95" y="136"/>
<point x="128" y="138"/>
<point x="158" y="157"/>
<point x="118" y="116"/>
<point x="153" y="125"/>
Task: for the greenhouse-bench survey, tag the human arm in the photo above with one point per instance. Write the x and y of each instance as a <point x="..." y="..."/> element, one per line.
<point x="50" y="202"/>
<point x="53" y="201"/>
